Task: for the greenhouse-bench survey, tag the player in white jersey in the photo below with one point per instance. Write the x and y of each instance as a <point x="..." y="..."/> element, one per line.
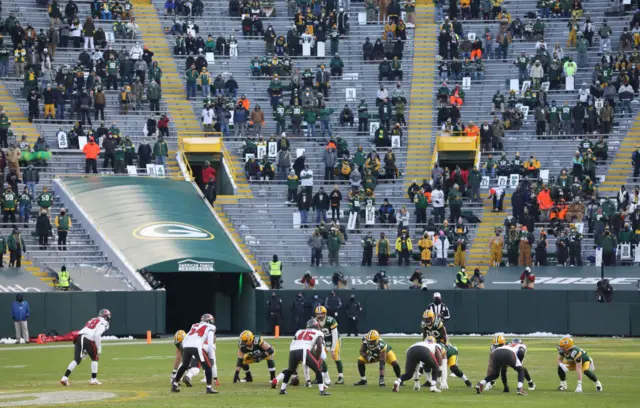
<point x="307" y="348"/>
<point x="522" y="351"/>
<point x="502" y="356"/>
<point x="89" y="343"/>
<point x="427" y="354"/>
<point x="200" y="344"/>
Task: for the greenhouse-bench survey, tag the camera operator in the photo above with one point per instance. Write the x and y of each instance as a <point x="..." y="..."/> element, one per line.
<point x="604" y="291"/>
<point x="382" y="280"/>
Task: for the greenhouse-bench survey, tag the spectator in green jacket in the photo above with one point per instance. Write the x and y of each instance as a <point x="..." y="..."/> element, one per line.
<point x="160" y="151"/>
<point x="336" y="65"/>
<point x="15" y="243"/>
<point x="475" y="178"/>
<point x="325" y="124"/>
<point x="5" y="124"/>
<point x="310" y="117"/>
<point x="359" y="158"/>
<point x="45" y="199"/>
<point x="455" y="203"/>
<point x="334" y="243"/>
<point x="607" y="242"/>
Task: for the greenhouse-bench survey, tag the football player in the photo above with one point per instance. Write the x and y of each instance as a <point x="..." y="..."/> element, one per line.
<point x="503" y="355"/>
<point x="375" y="350"/>
<point x="308" y="348"/>
<point x="329" y="327"/>
<point x="89" y="343"/>
<point x="194" y="365"/>
<point x="193" y="346"/>
<point x="433" y="326"/>
<point x="573" y="358"/>
<point x="449" y="360"/>
<point x="498" y="341"/>
<point x="427" y="354"/>
<point x="253" y="349"/>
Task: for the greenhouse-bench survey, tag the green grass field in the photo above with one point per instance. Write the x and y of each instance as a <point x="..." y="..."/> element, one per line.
<point x="137" y="375"/>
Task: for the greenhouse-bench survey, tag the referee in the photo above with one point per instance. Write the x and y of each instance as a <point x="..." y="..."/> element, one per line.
<point x="439" y="309"/>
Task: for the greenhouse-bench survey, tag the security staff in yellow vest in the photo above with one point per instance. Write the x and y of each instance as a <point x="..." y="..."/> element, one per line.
<point x="63" y="223"/>
<point x="63" y="279"/>
<point x="462" y="281"/>
<point x="275" y="273"/>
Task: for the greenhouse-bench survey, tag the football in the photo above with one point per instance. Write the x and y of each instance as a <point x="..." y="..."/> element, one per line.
<point x="295" y="380"/>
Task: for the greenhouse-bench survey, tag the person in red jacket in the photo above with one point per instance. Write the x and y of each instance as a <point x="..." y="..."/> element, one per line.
<point x="163" y="126"/>
<point x="208" y="173"/>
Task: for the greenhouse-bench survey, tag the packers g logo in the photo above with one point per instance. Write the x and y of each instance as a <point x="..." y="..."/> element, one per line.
<point x="172" y="230"/>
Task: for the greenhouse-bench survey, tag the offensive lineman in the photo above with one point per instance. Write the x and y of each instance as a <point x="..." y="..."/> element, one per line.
<point x="375" y="350"/>
<point x="499" y="341"/>
<point x="573" y="358"/>
<point x="424" y="353"/>
<point x="329" y="327"/>
<point x="502" y="356"/>
<point x="253" y="349"/>
<point x="194" y="365"/>
<point x="89" y="343"/>
<point x="192" y="347"/>
<point x="307" y="347"/>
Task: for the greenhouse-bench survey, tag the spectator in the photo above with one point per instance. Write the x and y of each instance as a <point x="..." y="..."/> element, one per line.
<point x="334" y="243"/>
<point x="20" y="313"/>
<point x="635" y="161"/>
<point x="45" y="199"/>
<point x="316" y="243"/>
<point x="321" y="205"/>
<point x="477" y="280"/>
<point x="160" y="151"/>
<point x="354" y="309"/>
<point x="383" y="250"/>
<point x="43" y="229"/>
<point x="15" y="243"/>
<point x="257" y="120"/>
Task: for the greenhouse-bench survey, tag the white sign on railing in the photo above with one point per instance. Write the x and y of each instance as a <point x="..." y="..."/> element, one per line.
<point x="466" y="83"/>
<point x="132" y="171"/>
<point x="373" y="126"/>
<point x="262" y="151"/>
<point x="502" y="181"/>
<point x="273" y="149"/>
<point x="514" y="180"/>
<point x="485" y="182"/>
<point x="395" y="141"/>
<point x="350" y="94"/>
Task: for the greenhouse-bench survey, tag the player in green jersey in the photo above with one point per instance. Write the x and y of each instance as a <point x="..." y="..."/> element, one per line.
<point x="573" y="358"/>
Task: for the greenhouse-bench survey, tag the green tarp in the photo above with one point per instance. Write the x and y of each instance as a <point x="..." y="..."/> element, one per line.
<point x="161" y="225"/>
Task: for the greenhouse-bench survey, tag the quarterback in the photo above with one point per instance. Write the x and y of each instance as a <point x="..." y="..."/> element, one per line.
<point x="573" y="358"/>
<point x="329" y="327"/>
<point x="253" y="349"/>
<point x="375" y="350"/>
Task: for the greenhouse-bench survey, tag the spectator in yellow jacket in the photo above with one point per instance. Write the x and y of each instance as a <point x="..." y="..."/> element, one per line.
<point x="425" y="245"/>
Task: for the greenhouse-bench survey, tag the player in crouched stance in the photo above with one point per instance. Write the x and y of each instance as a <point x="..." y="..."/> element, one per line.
<point x="502" y="356"/>
<point x="427" y="354"/>
<point x="375" y="350"/>
<point x="194" y="365"/>
<point x="498" y="341"/>
<point x="253" y="349"/>
<point x="193" y="346"/>
<point x="573" y="358"/>
<point x="307" y="348"/>
<point x="89" y="343"/>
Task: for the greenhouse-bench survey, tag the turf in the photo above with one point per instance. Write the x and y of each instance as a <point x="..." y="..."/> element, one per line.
<point x="139" y="376"/>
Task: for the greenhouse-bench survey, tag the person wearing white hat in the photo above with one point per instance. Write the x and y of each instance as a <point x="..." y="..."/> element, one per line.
<point x="439" y="309"/>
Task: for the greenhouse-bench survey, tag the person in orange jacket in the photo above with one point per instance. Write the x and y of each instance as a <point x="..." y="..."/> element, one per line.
<point x="472" y="130"/>
<point x="244" y="101"/>
<point x="544" y="201"/>
<point x="91" y="152"/>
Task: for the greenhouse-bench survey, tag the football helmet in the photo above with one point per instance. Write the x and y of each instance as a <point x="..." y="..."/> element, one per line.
<point x="430" y="340"/>
<point x="207" y="318"/>
<point x="428" y="318"/>
<point x="499" y="340"/>
<point x="313" y="324"/>
<point x="516" y="341"/>
<point x="179" y="336"/>
<point x="105" y="314"/>
<point x="321" y="314"/>
<point x="372" y="338"/>
<point x="565" y="344"/>
<point x="245" y="339"/>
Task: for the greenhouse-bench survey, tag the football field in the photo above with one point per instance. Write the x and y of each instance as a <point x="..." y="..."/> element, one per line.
<point x="135" y="374"/>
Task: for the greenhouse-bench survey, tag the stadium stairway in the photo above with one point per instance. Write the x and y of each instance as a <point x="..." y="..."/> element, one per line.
<point x="19" y="123"/>
<point x="620" y="169"/>
<point x="478" y="256"/>
<point x="420" y="139"/>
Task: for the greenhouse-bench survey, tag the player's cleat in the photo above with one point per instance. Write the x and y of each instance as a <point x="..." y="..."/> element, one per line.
<point x="506" y="389"/>
<point x="452" y="375"/>
<point x="521" y="391"/>
<point x="187" y="381"/>
<point x="274" y="383"/>
<point x="563" y="386"/>
<point x="579" y="388"/>
<point x="308" y="384"/>
<point x="532" y="386"/>
<point x="361" y="382"/>
<point x="211" y="391"/>
<point x="381" y="382"/>
<point x="340" y="381"/>
<point x="468" y="383"/>
<point x="488" y="386"/>
<point x="416" y="385"/>
<point x="598" y="386"/>
<point x="175" y="388"/>
<point x="324" y="392"/>
<point x="283" y="392"/>
<point x="64" y="381"/>
<point x="479" y="388"/>
<point x="204" y="381"/>
<point x="94" y="381"/>
<point x="396" y="388"/>
<point x="427" y="383"/>
<point x="248" y="377"/>
<point x="434" y="389"/>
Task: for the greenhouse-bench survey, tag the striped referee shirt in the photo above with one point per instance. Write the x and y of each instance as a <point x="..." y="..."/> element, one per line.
<point x="440" y="310"/>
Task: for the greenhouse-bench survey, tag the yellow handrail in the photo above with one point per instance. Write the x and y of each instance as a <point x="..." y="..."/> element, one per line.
<point x="229" y="161"/>
<point x="183" y="156"/>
